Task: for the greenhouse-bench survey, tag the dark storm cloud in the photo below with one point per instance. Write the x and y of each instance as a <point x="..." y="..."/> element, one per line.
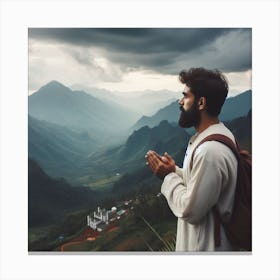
<point x="165" y="50"/>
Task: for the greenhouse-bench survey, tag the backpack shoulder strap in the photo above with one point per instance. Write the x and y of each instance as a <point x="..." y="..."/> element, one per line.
<point x="219" y="138"/>
<point x="235" y="149"/>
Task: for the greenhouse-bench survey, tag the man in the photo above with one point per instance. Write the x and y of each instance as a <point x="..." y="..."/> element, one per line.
<point x="208" y="178"/>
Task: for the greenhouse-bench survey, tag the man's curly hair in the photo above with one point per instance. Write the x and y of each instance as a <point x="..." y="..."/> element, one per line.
<point x="211" y="84"/>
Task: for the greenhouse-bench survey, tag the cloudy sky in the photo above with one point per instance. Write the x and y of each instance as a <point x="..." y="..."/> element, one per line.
<point x="136" y="59"/>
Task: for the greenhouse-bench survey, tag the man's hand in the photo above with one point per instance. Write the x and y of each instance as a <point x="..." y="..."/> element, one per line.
<point x="160" y="165"/>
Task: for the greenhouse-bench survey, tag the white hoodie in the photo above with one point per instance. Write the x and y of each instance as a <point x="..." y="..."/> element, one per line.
<point x="191" y="194"/>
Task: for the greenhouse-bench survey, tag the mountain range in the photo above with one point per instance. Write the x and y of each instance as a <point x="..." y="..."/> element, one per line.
<point x="74" y="135"/>
<point x="233" y="107"/>
<point x="79" y="111"/>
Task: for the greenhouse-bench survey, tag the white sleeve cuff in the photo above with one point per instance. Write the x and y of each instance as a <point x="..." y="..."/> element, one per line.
<point x="179" y="171"/>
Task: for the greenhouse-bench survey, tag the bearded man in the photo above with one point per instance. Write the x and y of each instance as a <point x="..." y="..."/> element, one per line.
<point x="206" y="183"/>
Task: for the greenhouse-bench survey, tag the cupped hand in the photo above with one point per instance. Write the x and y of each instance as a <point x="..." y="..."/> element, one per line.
<point x="160" y="165"/>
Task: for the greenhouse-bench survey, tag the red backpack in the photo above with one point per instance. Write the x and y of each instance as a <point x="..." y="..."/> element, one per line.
<point x="239" y="228"/>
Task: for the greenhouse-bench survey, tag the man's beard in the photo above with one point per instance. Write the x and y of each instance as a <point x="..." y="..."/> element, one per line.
<point x="189" y="118"/>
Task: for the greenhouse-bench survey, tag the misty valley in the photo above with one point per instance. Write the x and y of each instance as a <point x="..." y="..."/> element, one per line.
<point x="86" y="166"/>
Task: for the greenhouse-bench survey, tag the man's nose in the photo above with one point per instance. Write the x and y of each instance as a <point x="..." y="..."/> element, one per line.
<point x="180" y="101"/>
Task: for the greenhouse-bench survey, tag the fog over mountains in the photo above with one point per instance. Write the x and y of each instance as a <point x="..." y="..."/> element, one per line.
<point x="146" y="102"/>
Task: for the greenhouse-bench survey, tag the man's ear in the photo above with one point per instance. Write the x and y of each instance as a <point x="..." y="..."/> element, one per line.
<point x="202" y="103"/>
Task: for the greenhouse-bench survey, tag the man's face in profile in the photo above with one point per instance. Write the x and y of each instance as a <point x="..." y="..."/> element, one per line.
<point x="190" y="115"/>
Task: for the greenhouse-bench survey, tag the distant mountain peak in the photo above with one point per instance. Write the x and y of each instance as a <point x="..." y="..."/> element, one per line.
<point x="54" y="86"/>
<point x="54" y="83"/>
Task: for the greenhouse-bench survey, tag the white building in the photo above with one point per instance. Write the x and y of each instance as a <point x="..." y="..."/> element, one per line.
<point x="101" y="217"/>
<point x="92" y="222"/>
